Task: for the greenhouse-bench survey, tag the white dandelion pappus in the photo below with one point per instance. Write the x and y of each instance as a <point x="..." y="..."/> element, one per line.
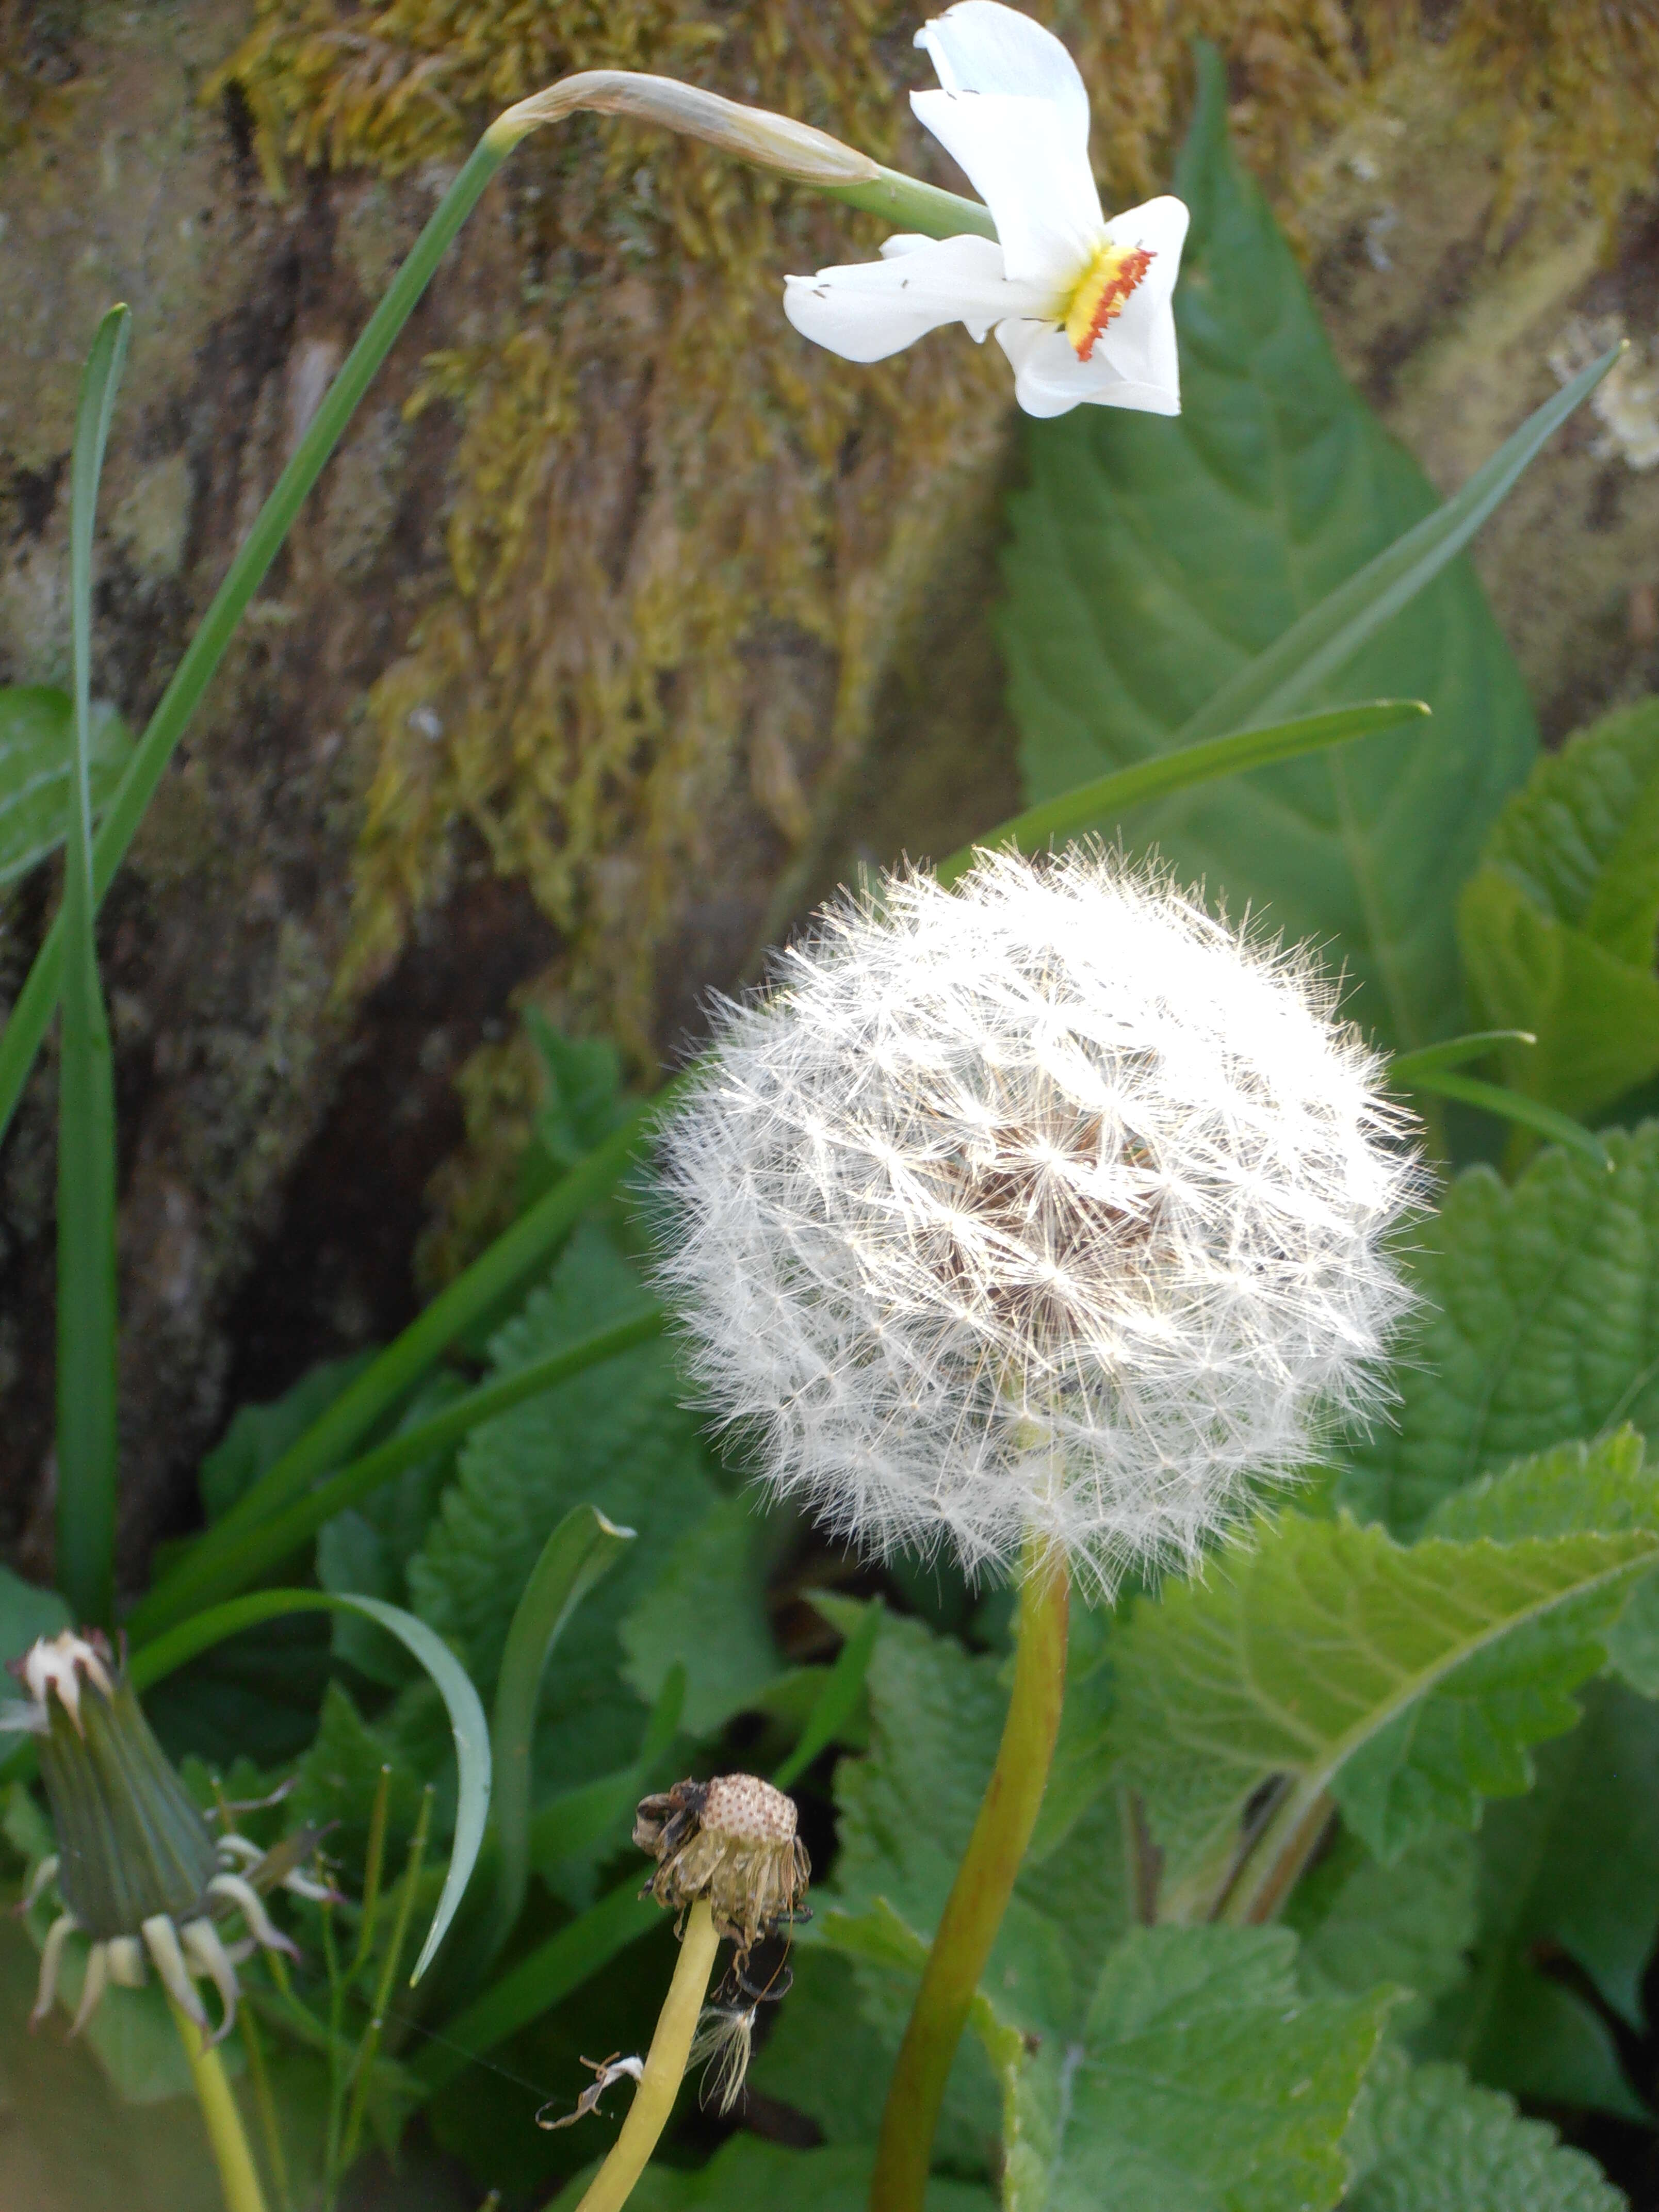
<point x="1080" y="305"/>
<point x="1043" y="1203"/>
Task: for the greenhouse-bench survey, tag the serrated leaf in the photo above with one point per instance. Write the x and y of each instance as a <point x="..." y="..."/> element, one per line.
<point x="37" y="743"/>
<point x="1425" y="2139"/>
<point x="706" y="1611"/>
<point x="1557" y="925"/>
<point x="1363" y="1924"/>
<point x="1539" y="1324"/>
<point x="614" y="1437"/>
<point x="1570" y="1871"/>
<point x="1407" y="1683"/>
<point x="1152" y="561"/>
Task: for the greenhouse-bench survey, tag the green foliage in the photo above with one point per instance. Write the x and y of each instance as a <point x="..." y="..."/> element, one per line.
<point x="27" y="1611"/>
<point x="705" y="1611"/>
<point x="1568" y="1875"/>
<point x="1152" y="561"/>
<point x="1556" y="924"/>
<point x="1538" y="1324"/>
<point x="1423" y="2139"/>
<point x="259" y="1434"/>
<point x="747" y="2172"/>
<point x="613" y="1438"/>
<point x="37" y="748"/>
<point x="1408" y="1683"/>
<point x="1406" y="1923"/>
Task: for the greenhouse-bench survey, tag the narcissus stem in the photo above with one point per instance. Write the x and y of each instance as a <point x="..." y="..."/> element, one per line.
<point x="665" y="2067"/>
<point x="979" y="1896"/>
<point x="239" y="2176"/>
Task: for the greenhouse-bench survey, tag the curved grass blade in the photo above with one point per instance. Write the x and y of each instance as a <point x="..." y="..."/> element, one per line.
<point x="1313" y="649"/>
<point x="836" y="1700"/>
<point x="1512" y="1106"/>
<point x="1453" y="1052"/>
<point x="86" y="1090"/>
<point x="227" y="1558"/>
<point x="466" y="1714"/>
<point x="1105" y="796"/>
<point x="583" y="1548"/>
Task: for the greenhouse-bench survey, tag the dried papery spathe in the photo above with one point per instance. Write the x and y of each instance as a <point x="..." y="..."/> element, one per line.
<point x="1046" y="1205"/>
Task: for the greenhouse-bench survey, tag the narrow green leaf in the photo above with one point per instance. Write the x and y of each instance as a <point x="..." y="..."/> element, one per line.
<point x="466" y="1714"/>
<point x="230" y="1555"/>
<point x="1513" y="1106"/>
<point x="86" y="1438"/>
<point x="27" y="1026"/>
<point x="550" y="1972"/>
<point x="584" y="1547"/>
<point x="577" y="1820"/>
<point x="1407" y="1684"/>
<point x="1100" y="802"/>
<point x="37" y="759"/>
<point x="842" y="1687"/>
<point x="1453" y="1052"/>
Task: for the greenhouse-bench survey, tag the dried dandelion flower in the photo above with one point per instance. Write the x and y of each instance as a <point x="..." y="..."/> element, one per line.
<point x="1043" y="1207"/>
<point x="731" y="1841"/>
<point x="139" y="1871"/>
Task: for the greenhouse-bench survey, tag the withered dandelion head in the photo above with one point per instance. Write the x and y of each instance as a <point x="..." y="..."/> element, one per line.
<point x="731" y="1841"/>
<point x="1044" y="1204"/>
<point x="140" y="1873"/>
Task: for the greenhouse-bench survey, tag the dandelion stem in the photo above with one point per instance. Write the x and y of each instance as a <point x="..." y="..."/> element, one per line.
<point x="665" y="2067"/>
<point x="239" y="2176"/>
<point x="985" y="1880"/>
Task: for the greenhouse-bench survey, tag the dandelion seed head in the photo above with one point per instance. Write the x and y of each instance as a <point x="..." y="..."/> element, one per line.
<point x="1046" y="1202"/>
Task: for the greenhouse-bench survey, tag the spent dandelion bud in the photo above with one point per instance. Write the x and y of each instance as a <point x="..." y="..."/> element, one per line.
<point x="733" y="1842"/>
<point x="141" y="1875"/>
<point x="1045" y="1206"/>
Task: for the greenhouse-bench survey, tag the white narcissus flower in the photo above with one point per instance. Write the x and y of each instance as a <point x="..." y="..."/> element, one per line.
<point x="1080" y="305"/>
<point x="1045" y="1203"/>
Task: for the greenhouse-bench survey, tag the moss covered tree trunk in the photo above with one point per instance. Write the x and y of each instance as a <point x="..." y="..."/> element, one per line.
<point x="622" y="621"/>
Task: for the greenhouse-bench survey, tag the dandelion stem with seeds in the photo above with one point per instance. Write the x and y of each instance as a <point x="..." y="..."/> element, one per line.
<point x="239" y="2176"/>
<point x="665" y="2066"/>
<point x="985" y="1880"/>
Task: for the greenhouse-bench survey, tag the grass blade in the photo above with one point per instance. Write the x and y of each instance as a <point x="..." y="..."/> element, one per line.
<point x="578" y="1819"/>
<point x="1406" y="1067"/>
<point x="836" y="1700"/>
<point x="582" y="1549"/>
<point x="219" y="1564"/>
<point x="466" y="1714"/>
<point x="27" y="1026"/>
<point x="1105" y="796"/>
<point x="1512" y="1106"/>
<point x="1316" y="647"/>
<point x="86" y="1090"/>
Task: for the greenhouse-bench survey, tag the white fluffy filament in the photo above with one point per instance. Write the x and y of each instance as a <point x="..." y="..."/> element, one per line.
<point x="1044" y="1202"/>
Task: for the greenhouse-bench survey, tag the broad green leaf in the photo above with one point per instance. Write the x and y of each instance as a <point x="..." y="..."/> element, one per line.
<point x="259" y="1434"/>
<point x="573" y="1830"/>
<point x="580" y="1552"/>
<point x="1539" y="1324"/>
<point x="1424" y="2139"/>
<point x="36" y="746"/>
<point x="746" y="2173"/>
<point x="1569" y="1870"/>
<point x="705" y="1611"/>
<point x="466" y="1715"/>
<point x="1407" y="1684"/>
<point x="85" y="1437"/>
<point x="611" y="1436"/>
<point x="1363" y="1924"/>
<point x="1203" y="2081"/>
<point x="1153" y="562"/>
<point x="823" y="2057"/>
<point x="1556" y="924"/>
<point x="835" y="1703"/>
